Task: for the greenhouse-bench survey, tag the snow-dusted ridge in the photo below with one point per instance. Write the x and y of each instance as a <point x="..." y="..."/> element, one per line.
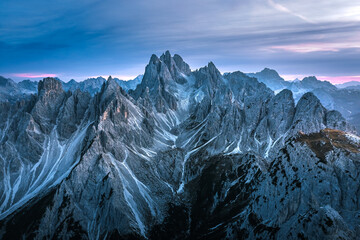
<point x="56" y="162"/>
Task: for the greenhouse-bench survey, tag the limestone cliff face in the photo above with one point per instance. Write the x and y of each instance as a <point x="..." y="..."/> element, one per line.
<point x="186" y="155"/>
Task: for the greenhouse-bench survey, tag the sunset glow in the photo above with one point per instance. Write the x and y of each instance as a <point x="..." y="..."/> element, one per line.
<point x="34" y="75"/>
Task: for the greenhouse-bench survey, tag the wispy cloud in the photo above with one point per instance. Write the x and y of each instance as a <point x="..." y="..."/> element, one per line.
<point x="315" y="47"/>
<point x="93" y="36"/>
<point x="33" y="75"/>
<point x="282" y="8"/>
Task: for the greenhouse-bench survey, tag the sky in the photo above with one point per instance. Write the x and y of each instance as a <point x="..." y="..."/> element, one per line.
<point x="80" y="39"/>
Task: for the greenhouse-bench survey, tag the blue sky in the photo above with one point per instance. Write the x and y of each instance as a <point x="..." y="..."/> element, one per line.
<point x="80" y="39"/>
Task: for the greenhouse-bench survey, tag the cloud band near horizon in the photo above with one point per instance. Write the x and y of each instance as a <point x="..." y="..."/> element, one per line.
<point x="93" y="37"/>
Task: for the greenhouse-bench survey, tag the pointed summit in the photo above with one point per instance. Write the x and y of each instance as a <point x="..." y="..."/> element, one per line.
<point x="312" y="82"/>
<point x="49" y="86"/>
<point x="308" y="98"/>
<point x="214" y="72"/>
<point x="154" y="59"/>
<point x="162" y="71"/>
<point x="110" y="80"/>
<point x="110" y="85"/>
<point x="212" y="66"/>
<point x="271" y="78"/>
<point x="6" y="82"/>
<point x="183" y="66"/>
<point x="176" y="65"/>
<point x="160" y="76"/>
<point x="270" y="73"/>
<point x="310" y="114"/>
<point x="310" y="79"/>
<point x="72" y="81"/>
<point x="166" y="56"/>
<point x="208" y="76"/>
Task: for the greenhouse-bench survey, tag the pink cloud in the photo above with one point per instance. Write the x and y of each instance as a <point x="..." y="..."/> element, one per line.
<point x="34" y="75"/>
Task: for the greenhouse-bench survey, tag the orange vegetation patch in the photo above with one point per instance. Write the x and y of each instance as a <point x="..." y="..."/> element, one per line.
<point x="326" y="140"/>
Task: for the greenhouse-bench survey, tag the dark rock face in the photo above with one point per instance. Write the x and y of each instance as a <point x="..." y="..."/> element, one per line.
<point x="281" y="111"/>
<point x="186" y="155"/>
<point x="160" y="82"/>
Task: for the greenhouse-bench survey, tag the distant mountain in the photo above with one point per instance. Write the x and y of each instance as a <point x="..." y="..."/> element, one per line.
<point x="6" y="83"/>
<point x="271" y="78"/>
<point x="11" y="91"/>
<point x="93" y="85"/>
<point x="348" y="84"/>
<point x="309" y="84"/>
<point x="185" y="155"/>
<point x="129" y="84"/>
<point x="90" y="85"/>
<point x="345" y="100"/>
<point x="357" y="87"/>
<point x="28" y="86"/>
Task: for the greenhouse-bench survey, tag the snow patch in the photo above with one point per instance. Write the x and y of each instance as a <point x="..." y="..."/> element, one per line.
<point x="353" y="138"/>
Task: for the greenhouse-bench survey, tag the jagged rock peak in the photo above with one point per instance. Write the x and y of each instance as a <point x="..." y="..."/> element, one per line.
<point x="307" y="98"/>
<point x="175" y="60"/>
<point x="210" y="68"/>
<point x="310" y="79"/>
<point x="49" y="85"/>
<point x="6" y="82"/>
<point x="213" y="69"/>
<point x="270" y="73"/>
<point x="165" y="69"/>
<point x="269" y="70"/>
<point x="285" y="93"/>
<point x="211" y="65"/>
<point x="175" y="64"/>
<point x="167" y="59"/>
<point x="183" y="66"/>
<point x="110" y="84"/>
<point x="307" y="101"/>
<point x="154" y="59"/>
<point x="166" y="56"/>
<point x="111" y="81"/>
<point x="313" y="82"/>
<point x="310" y="114"/>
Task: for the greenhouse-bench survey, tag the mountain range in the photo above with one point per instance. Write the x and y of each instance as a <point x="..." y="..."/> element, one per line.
<point x="350" y="84"/>
<point x="344" y="98"/>
<point x="183" y="155"/>
<point x="11" y="91"/>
